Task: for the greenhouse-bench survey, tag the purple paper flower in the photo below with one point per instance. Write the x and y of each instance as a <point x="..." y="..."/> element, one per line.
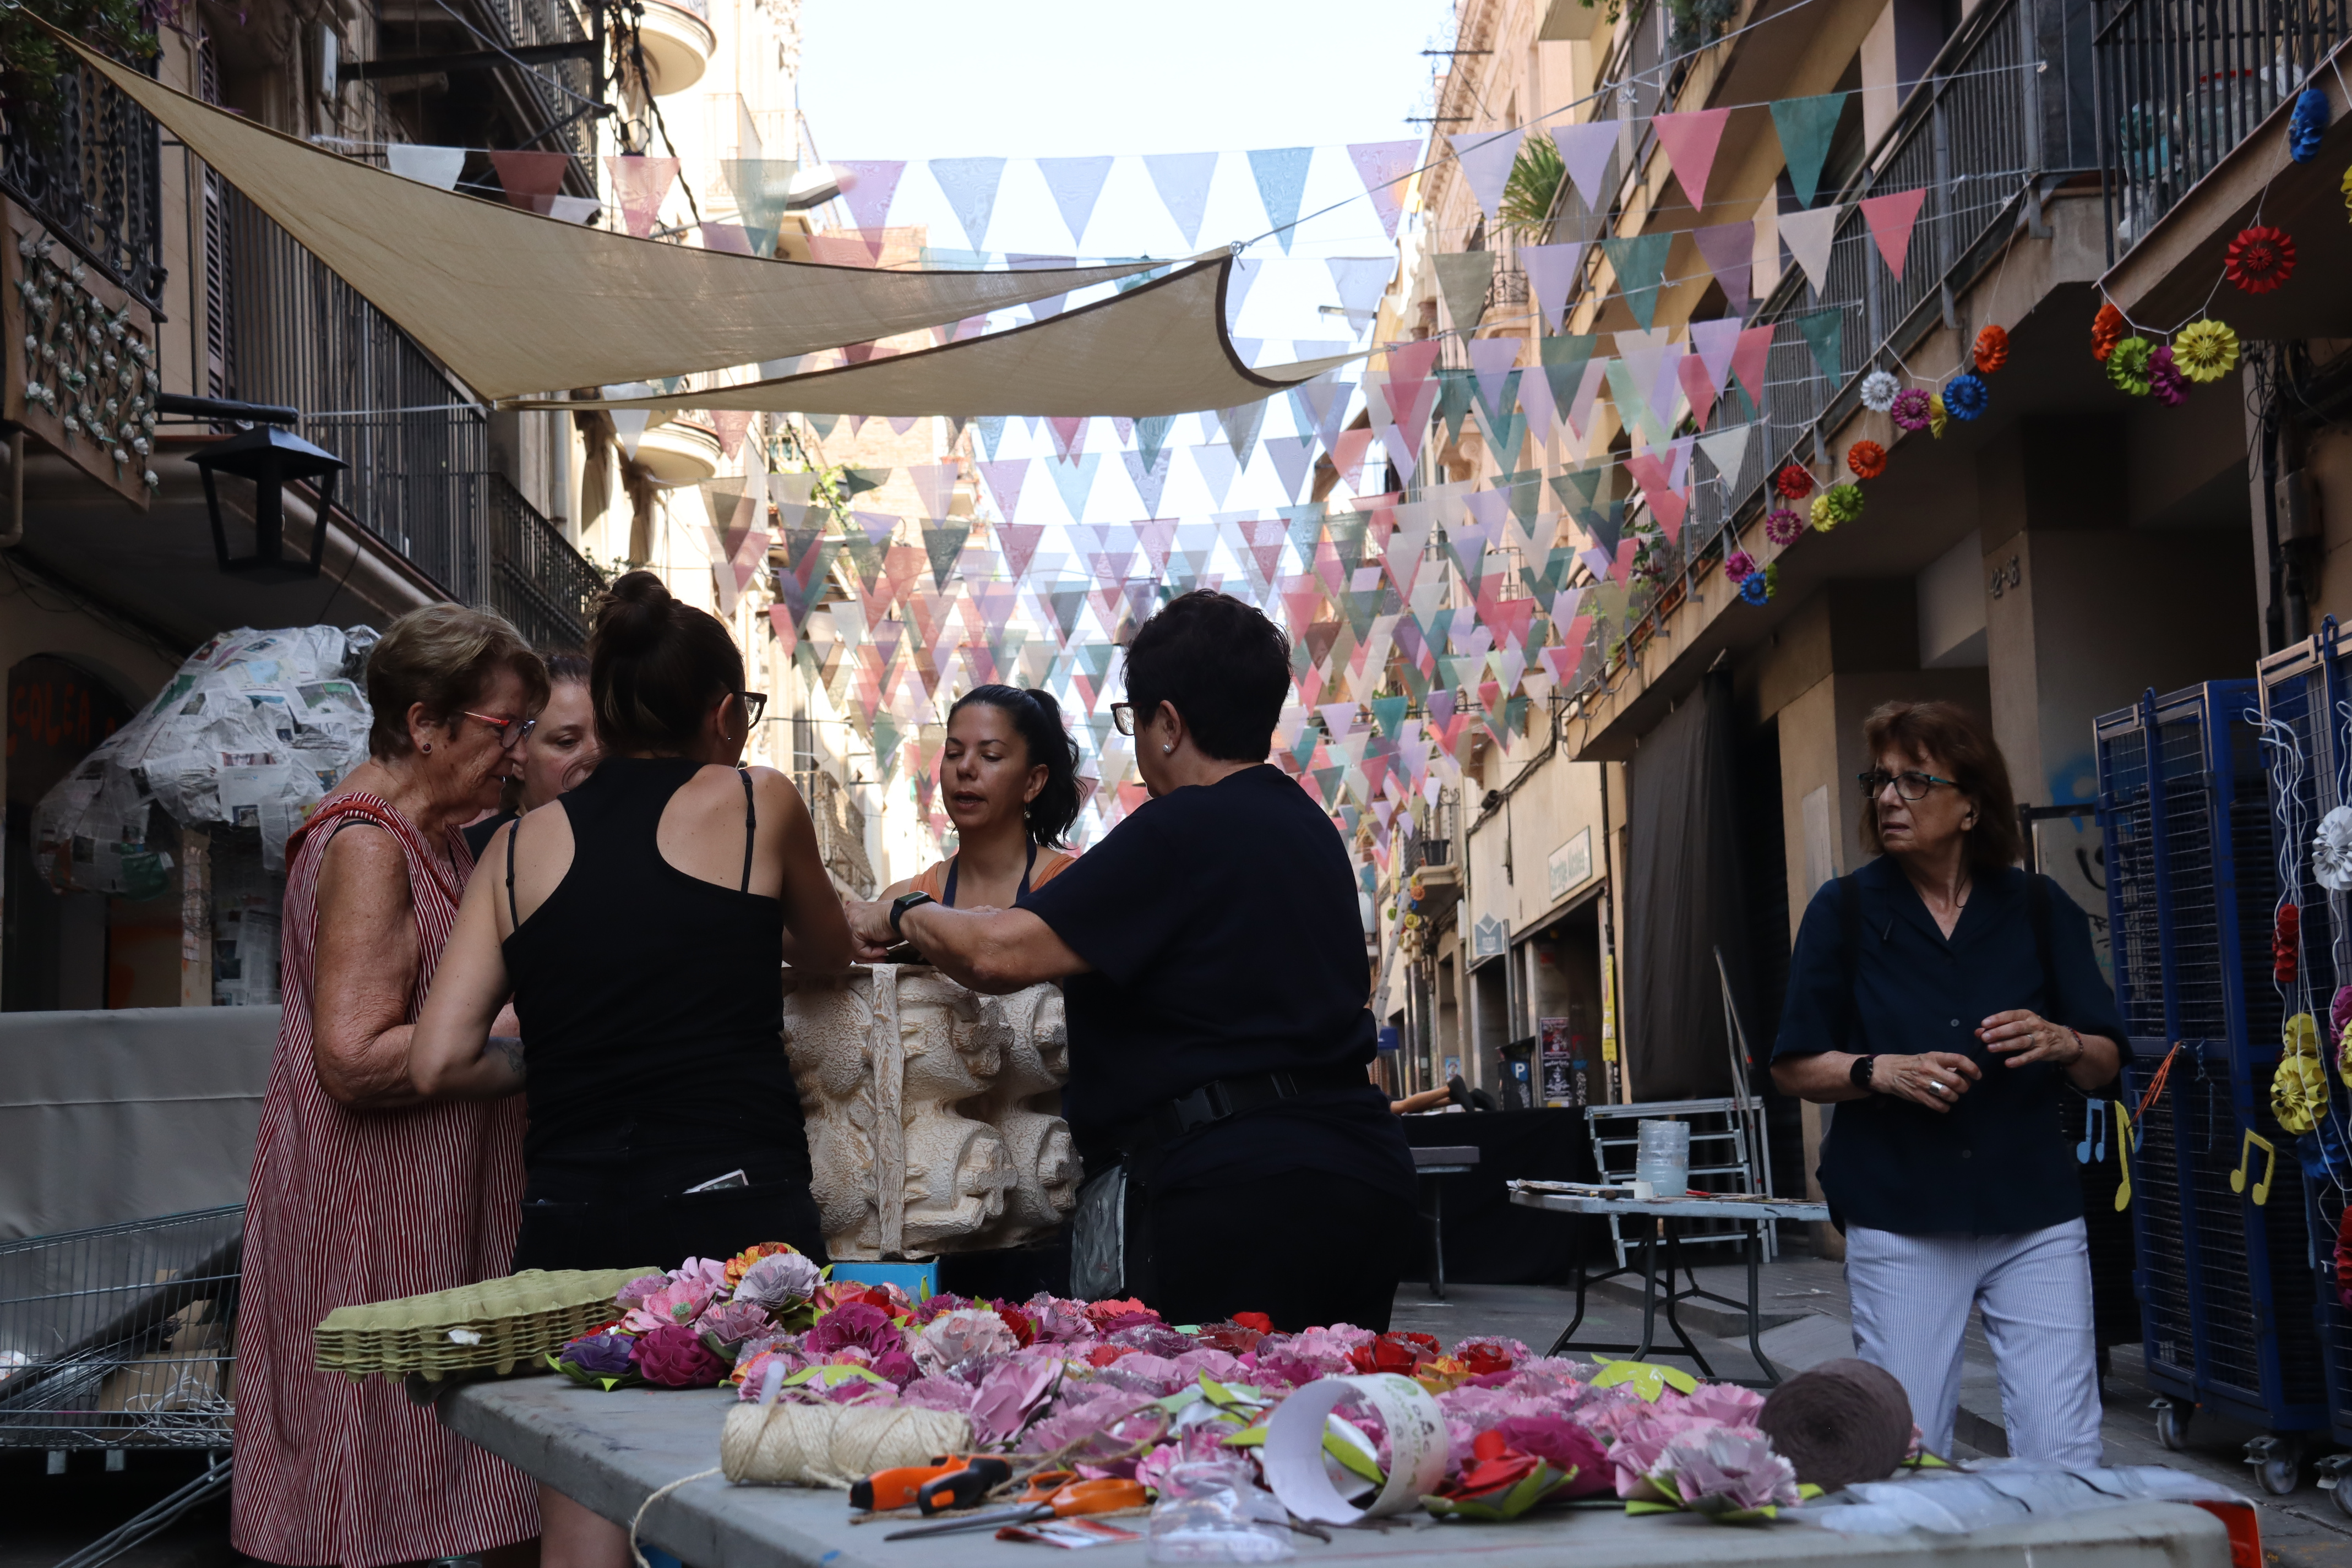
<point x="674" y="1356"/>
<point x="726" y="1326"/>
<point x="600" y="1355"/>
<point x="898" y="1366"/>
<point x="1782" y="526"/>
<point x="778" y="1281"/>
<point x="1008" y="1397"/>
<point x="1058" y="1322"/>
<point x="634" y="1293"/>
<point x="2165" y="381"/>
<point x="1725" y="1402"/>
<point x="1738" y="566"/>
<point x="859" y="1325"/>
<point x="1729" y="1466"/>
<point x="1910" y="409"/>
<point x="960" y="1334"/>
<point x="941" y="1394"/>
<point x="932" y="1307"/>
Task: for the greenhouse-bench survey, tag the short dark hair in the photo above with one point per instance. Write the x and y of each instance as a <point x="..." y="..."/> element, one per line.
<point x="1957" y="737"/>
<point x="655" y="666"/>
<point x="1222" y="663"/>
<point x="1038" y="717"/>
<point x="566" y="668"/>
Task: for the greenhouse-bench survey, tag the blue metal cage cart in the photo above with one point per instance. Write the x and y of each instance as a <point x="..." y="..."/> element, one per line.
<point x="2226" y="1289"/>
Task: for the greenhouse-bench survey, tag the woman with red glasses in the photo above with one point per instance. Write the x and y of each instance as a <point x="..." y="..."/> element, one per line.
<point x="364" y="1190"/>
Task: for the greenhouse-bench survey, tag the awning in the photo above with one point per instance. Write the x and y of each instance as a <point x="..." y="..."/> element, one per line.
<point x="1160" y="347"/>
<point x="513" y="302"/>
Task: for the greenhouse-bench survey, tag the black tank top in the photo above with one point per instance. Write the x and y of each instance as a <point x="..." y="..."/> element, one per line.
<point x="651" y="1001"/>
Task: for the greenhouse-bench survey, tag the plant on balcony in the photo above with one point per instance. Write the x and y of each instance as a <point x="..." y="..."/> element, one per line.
<point x="1696" y="23"/>
<point x="33" y="65"/>
<point x="1525" y="211"/>
<point x="2206" y="350"/>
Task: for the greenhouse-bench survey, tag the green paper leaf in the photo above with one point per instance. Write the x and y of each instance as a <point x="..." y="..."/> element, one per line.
<point x="1650" y="1380"/>
<point x="1532" y="1489"/>
<point x="1352" y="1459"/>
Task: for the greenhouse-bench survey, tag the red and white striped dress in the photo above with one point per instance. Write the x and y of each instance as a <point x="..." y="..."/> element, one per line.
<point x="353" y="1206"/>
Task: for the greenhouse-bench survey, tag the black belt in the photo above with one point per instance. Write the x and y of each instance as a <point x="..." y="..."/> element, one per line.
<point x="1223" y="1097"/>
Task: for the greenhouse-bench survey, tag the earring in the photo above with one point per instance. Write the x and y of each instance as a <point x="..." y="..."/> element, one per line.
<point x="1170" y="750"/>
<point x="426" y="748"/>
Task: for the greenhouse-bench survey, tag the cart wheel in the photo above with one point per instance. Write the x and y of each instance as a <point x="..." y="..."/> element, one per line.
<point x="2280" y="1474"/>
<point x="2172" y="1426"/>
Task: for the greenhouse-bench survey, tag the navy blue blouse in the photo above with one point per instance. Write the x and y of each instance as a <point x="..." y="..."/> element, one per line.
<point x="1996" y="1163"/>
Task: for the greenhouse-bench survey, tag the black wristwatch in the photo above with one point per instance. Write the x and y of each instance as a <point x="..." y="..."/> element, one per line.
<point x="1859" y="1072"/>
<point x="901" y="904"/>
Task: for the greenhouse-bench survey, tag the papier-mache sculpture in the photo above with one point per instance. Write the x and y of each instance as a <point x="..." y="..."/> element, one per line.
<point x="933" y="1112"/>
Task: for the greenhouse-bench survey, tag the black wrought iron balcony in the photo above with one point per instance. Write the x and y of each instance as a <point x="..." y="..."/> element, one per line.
<point x="2182" y="82"/>
<point x="90" y="170"/>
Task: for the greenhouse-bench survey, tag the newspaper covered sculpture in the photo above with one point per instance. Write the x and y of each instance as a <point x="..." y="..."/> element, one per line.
<point x="252" y="733"/>
<point x="933" y="1112"/>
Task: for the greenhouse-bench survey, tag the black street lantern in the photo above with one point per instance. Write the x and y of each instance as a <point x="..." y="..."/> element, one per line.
<point x="272" y="458"/>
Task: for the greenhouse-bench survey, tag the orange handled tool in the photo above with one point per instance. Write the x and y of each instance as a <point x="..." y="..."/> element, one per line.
<point x="887" y="1490"/>
<point x="1051" y="1495"/>
<point x="963" y="1485"/>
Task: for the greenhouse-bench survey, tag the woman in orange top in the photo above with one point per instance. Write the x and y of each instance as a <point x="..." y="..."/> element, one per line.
<point x="1010" y="773"/>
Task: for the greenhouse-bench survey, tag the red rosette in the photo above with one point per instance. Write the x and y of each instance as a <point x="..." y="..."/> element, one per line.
<point x="2259" y="259"/>
<point x="1794" y="482"/>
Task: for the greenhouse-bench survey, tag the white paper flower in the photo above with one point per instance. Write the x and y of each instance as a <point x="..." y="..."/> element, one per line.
<point x="2331" y="850"/>
<point x="1719" y="1467"/>
<point x="1878" y="390"/>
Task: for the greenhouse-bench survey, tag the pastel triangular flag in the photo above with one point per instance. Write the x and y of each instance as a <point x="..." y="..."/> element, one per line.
<point x="1149" y="474"/>
<point x="1808" y="236"/>
<point x="435" y="166"/>
<point x="639" y="184"/>
<point x="1075" y="481"/>
<point x="934" y="486"/>
<point x="1552" y="272"/>
<point x="1691" y="376"/>
<point x="1019" y="543"/>
<point x="1824" y="333"/>
<point x="532" y="179"/>
<point x="1691" y="141"/>
<point x="1281" y="175"/>
<point x="867" y="187"/>
<point x="1564" y="358"/>
<point x="1362" y="280"/>
<point x="1075" y="183"/>
<point x="1748" y="363"/>
<point x="1632" y="400"/>
<point x="1291" y="455"/>
<point x="1727" y="450"/>
<point x="1486" y="157"/>
<point x="969" y="185"/>
<point x="1805" y="126"/>
<point x="1384" y="167"/>
<point x="1240" y="425"/>
<point x="1543" y="409"/>
<point x="1463" y="279"/>
<point x="1182" y="181"/>
<point x="1729" y="251"/>
<point x="1216" y="461"/>
<point x="1580" y="409"/>
<point x="1640" y="264"/>
<point x="1585" y="149"/>
<point x="1491" y="360"/>
<point x="1715" y="342"/>
<point x="1890" y="218"/>
<point x="1003" y="479"/>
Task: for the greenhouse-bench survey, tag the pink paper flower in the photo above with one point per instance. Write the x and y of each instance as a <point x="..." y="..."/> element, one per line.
<point x="1910" y="409"/>
<point x="1059" y="1321"/>
<point x="778" y="1281"/>
<point x="859" y="1324"/>
<point x="727" y="1325"/>
<point x="1725" y="1402"/>
<point x="675" y="1305"/>
<point x="1083" y="1422"/>
<point x="1729" y="1467"/>
<point x="1782" y="526"/>
<point x="1739" y="566"/>
<point x="1563" y="1445"/>
<point x="959" y="1335"/>
<point x="1007" y="1398"/>
<point x="898" y="1366"/>
<point x="1644" y="1432"/>
<point x="674" y="1356"/>
<point x="940" y="1394"/>
<point x="634" y="1293"/>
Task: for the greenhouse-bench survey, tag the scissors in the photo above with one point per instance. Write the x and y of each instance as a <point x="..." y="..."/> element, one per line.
<point x="1056" y="1494"/>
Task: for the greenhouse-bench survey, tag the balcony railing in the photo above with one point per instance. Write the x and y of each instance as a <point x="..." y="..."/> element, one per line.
<point x="92" y="173"/>
<point x="2182" y="83"/>
<point x="421" y="478"/>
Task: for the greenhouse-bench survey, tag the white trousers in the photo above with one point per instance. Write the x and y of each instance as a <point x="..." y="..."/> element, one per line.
<point x="1911" y="1298"/>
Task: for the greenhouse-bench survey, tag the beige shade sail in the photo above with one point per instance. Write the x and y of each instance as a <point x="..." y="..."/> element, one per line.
<point x="513" y="302"/>
<point x="1158" y="348"/>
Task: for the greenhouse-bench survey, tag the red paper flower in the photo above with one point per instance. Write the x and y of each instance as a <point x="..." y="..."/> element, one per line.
<point x="2259" y="259"/>
<point x="1479" y="1358"/>
<point x="2284" y="943"/>
<point x="1495" y="1467"/>
<point x="1024" y="1326"/>
<point x="2106" y="331"/>
<point x="674" y="1356"/>
<point x="1398" y="1353"/>
<point x="1992" y="349"/>
<point x="1795" y="482"/>
<point x="1257" y="1320"/>
<point x="1103" y="1355"/>
<point x="1866" y="458"/>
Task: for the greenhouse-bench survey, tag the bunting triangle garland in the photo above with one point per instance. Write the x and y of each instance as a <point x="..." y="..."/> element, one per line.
<point x="1890" y="218"/>
<point x="1585" y="149"/>
<point x="1463" y="279"/>
<point x="1805" y="127"/>
<point x="1640" y="264"/>
<point x="1691" y="141"/>
<point x="1485" y="158"/>
<point x="1383" y="167"/>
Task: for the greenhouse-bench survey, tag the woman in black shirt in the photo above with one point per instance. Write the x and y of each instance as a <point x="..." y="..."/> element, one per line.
<point x="1213" y="958"/>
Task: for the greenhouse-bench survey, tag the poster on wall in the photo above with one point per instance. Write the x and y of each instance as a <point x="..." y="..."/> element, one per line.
<point x="1571" y="866"/>
<point x="1563" y="1077"/>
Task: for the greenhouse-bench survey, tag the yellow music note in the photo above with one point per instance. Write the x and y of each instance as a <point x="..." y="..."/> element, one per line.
<point x="2123" y="1155"/>
<point x="2245" y="1158"/>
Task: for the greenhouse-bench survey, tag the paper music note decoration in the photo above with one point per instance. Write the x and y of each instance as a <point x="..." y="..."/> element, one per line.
<point x="2246" y="1157"/>
<point x="2124" y="1151"/>
<point x="2094" y="1124"/>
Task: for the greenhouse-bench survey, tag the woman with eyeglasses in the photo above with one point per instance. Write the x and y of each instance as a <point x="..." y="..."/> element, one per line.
<point x="640" y="923"/>
<point x="1212" y="954"/>
<point x="363" y="1188"/>
<point x="1948" y="1003"/>
<point x="558" y="749"/>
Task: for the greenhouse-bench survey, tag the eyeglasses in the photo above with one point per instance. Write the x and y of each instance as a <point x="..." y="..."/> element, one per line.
<point x="1911" y="783"/>
<point x="754" y="704"/>
<point x="512" y="732"/>
<point x="1122" y="717"/>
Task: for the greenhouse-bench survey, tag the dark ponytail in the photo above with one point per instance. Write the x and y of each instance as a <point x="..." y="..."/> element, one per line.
<point x="1038" y="717"/>
<point x="655" y="666"/>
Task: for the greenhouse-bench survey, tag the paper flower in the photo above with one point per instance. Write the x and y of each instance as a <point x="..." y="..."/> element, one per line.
<point x="1939" y="418"/>
<point x="634" y="1293"/>
<point x="676" y="1357"/>
<point x="725" y="1325"/>
<point x="2259" y="259"/>
<point x="1725" y="1402"/>
<point x="2346" y="188"/>
<point x="1794" y="482"/>
<point x="603" y="1359"/>
<point x="2343" y="1055"/>
<point x="1879" y="389"/>
<point x="1866" y="458"/>
<point x="1723" y="1470"/>
<point x="959" y="1336"/>
<point x="2331" y="864"/>
<point x="2128" y="366"/>
<point x="859" y="1325"/>
<point x="2107" y="330"/>
<point x="2286" y="938"/>
<point x="2339" y="1012"/>
<point x="898" y="1367"/>
<point x="2206" y="350"/>
<point x="741" y="1264"/>
<point x="1756" y="590"/>
<point x="1782" y="526"/>
<point x="778" y="1281"/>
<point x="1738" y="566"/>
<point x="1966" y="396"/>
<point x="1824" y="518"/>
<point x="2298" y="1093"/>
<point x="675" y="1305"/>
<point x="1992" y="349"/>
<point x="2306" y="125"/>
<point x="1844" y="501"/>
<point x="2164" y="382"/>
<point x="1910" y="409"/>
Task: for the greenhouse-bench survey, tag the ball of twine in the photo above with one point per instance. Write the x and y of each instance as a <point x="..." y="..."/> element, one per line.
<point x="1842" y="1422"/>
<point x="832" y="1444"/>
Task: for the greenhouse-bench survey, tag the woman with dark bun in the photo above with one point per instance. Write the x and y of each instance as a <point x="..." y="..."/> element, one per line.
<point x="1009" y="774"/>
<point x="1213" y="956"/>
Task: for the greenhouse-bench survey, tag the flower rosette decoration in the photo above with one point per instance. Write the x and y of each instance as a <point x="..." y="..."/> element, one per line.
<point x="1824" y="517"/>
<point x="960" y="1335"/>
<point x="1991" y="350"/>
<point x="2259" y="260"/>
<point x="1939" y="418"/>
<point x="1757" y="590"/>
<point x="602" y="1358"/>
<point x="1738" y="566"/>
<point x="2307" y="127"/>
<point x="1782" y="526"/>
<point x="2165" y="381"/>
<point x="1910" y="409"/>
<point x="2107" y="330"/>
<point x="1729" y="1474"/>
<point x="674" y="1356"/>
<point x="2206" y="350"/>
<point x="1966" y="396"/>
<point x="1794" y="481"/>
<point x="1879" y="389"/>
<point x="1865" y="459"/>
<point x="2128" y="366"/>
<point x="2331" y="859"/>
